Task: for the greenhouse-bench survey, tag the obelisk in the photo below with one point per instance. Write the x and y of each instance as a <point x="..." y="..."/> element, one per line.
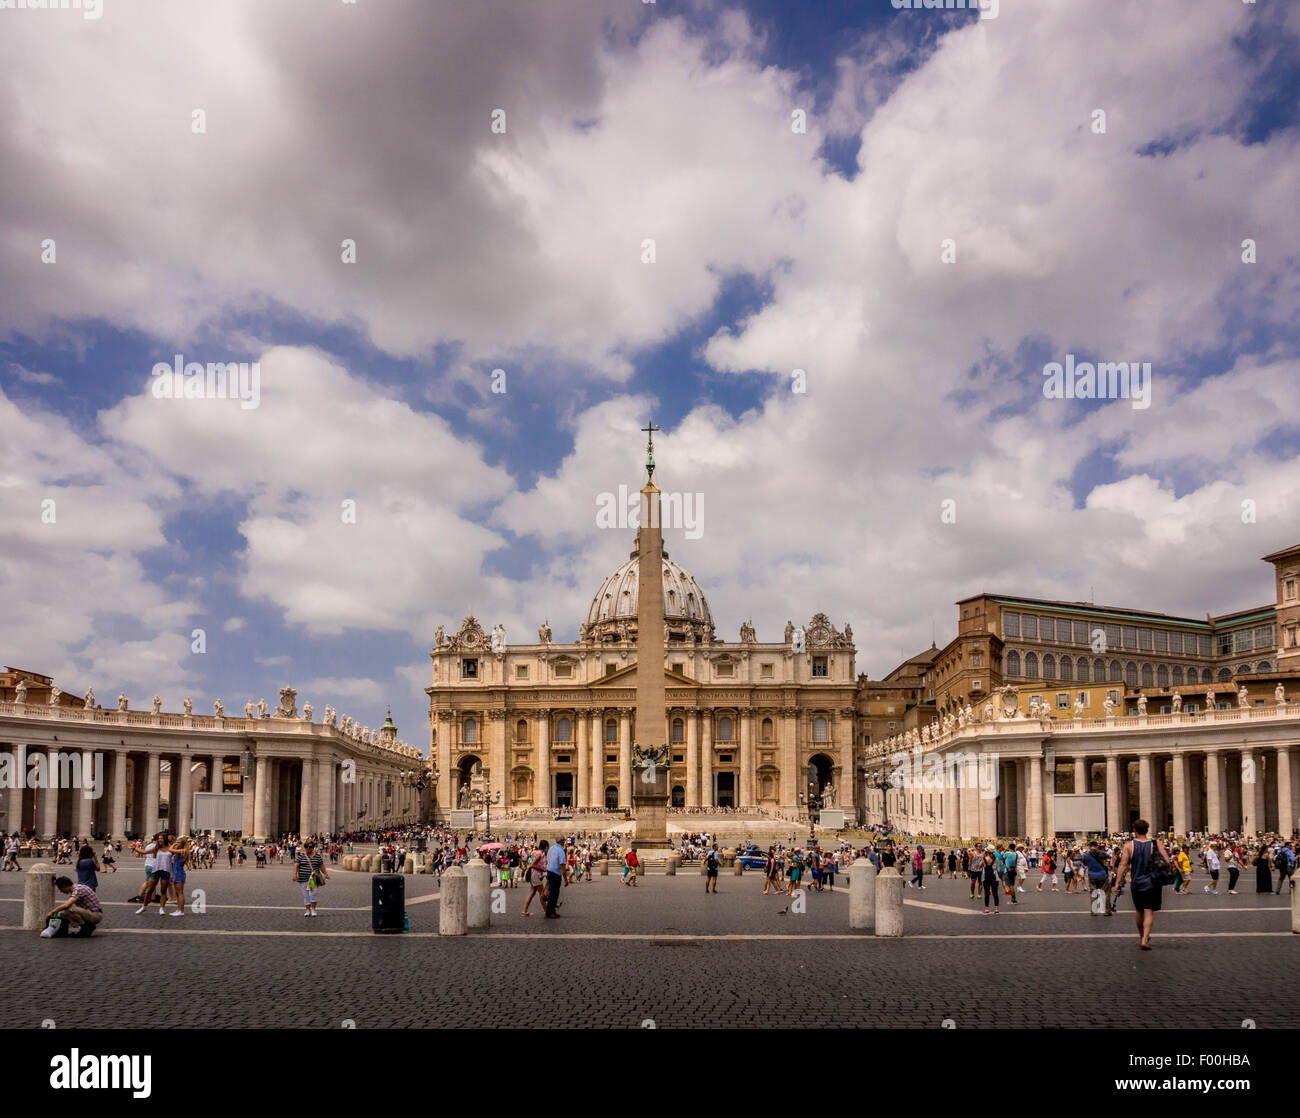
<point x="650" y="780"/>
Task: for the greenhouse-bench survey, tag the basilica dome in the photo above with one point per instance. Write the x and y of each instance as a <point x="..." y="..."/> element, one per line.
<point x="612" y="614"/>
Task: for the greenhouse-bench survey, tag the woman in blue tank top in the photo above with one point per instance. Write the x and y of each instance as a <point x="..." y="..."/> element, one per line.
<point x="1147" y="892"/>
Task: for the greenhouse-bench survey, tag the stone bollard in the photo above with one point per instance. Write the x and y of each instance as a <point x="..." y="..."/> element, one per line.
<point x="889" y="903"/>
<point x="365" y="863"/>
<point x="670" y="867"/>
<point x="704" y="864"/>
<point x="453" y="903"/>
<point x="408" y="865"/>
<point x="478" y="906"/>
<point x="38" y="895"/>
<point x="740" y="866"/>
<point x="604" y="867"/>
<point x="862" y="895"/>
<point x="640" y="868"/>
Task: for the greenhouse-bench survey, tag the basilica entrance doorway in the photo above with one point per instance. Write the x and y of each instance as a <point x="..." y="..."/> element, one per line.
<point x="724" y="789"/>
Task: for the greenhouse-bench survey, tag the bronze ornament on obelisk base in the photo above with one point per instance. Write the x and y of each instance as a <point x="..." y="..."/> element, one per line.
<point x="650" y="755"/>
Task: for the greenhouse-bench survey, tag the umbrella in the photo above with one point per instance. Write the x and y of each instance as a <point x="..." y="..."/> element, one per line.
<point x="491" y="846"/>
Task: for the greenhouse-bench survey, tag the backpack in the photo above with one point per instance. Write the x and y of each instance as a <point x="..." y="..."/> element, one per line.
<point x="711" y="858"/>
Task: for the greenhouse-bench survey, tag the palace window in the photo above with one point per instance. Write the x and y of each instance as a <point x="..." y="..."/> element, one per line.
<point x="1263" y="666"/>
<point x="819" y="666"/>
<point x="1116" y="671"/>
<point x="1011" y="624"/>
<point x="1049" y="666"/>
<point x="1113" y="696"/>
<point x="1131" y="674"/>
<point x="1031" y="665"/>
<point x="1178" y="675"/>
<point x="1264" y="636"/>
<point x="1290" y="589"/>
<point x="1046" y="629"/>
<point x="679" y="667"/>
<point x="1243" y="669"/>
<point x="1204" y="643"/>
<point x="1130" y="636"/>
<point x="469" y="668"/>
<point x="1029" y="626"/>
<point x="1083" y="697"/>
<point x="1098" y="670"/>
<point x="1162" y="640"/>
<point x="1083" y="669"/>
<point x="1062" y="700"/>
<point x="1176" y="642"/>
<point x="1148" y="676"/>
<point x="1162" y="676"/>
<point x="1013" y="663"/>
<point x="1144" y="639"/>
<point x="819" y="729"/>
<point x="610" y="669"/>
<point x="1067" y="668"/>
<point x="1112" y="636"/>
<point x="1245" y="640"/>
<point x="1080" y="632"/>
<point x="1224" y="675"/>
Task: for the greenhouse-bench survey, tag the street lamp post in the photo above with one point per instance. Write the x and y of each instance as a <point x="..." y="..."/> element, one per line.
<point x="487" y="798"/>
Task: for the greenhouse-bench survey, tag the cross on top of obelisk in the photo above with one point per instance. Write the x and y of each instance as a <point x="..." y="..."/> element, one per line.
<point x="650" y="428"/>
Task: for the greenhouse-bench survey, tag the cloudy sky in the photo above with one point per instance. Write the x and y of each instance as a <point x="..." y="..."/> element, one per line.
<point x="828" y="247"/>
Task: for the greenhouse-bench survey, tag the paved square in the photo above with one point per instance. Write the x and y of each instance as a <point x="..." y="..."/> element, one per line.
<point x="663" y="952"/>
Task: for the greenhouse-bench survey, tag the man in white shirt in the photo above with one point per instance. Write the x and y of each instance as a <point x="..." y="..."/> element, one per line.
<point x="1212" y="866"/>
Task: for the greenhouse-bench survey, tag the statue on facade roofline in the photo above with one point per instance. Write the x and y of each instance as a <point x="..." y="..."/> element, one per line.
<point x="499" y="638"/>
<point x="439" y="637"/>
<point x="248" y="709"/>
<point x="261" y="708"/>
<point x="544" y="633"/>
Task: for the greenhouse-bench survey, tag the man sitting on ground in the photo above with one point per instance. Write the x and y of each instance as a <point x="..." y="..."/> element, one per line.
<point x="81" y="910"/>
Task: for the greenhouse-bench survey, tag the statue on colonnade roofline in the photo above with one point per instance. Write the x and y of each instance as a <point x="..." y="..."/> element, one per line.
<point x="217" y="709"/>
<point x="121" y="700"/>
<point x="1279" y="693"/>
<point x="1178" y="701"/>
<point x="307" y="712"/>
<point x="90" y="698"/>
<point x="1108" y="707"/>
<point x="21" y="689"/>
<point x="248" y="709"/>
<point x="798" y="641"/>
<point x="157" y="704"/>
<point x="189" y="705"/>
<point x="970" y="714"/>
<point x="1078" y="708"/>
<point x="1142" y="705"/>
<point x="261" y="708"/>
<point x="1243" y="697"/>
<point x="55" y="695"/>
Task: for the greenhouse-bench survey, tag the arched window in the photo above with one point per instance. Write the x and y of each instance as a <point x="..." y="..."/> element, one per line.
<point x="1130" y="674"/>
<point x="724" y="728"/>
<point x="1067" y="668"/>
<point x="1243" y="669"/>
<point x="819" y="729"/>
<point x="469" y="732"/>
<point x="611" y="734"/>
<point x="766" y="731"/>
<point x="1148" y="676"/>
<point x="1224" y="675"/>
<point x="564" y="730"/>
<point x="1178" y="675"/>
<point x="1049" y="666"/>
<point x="679" y="730"/>
<point x="1083" y="669"/>
<point x="1031" y="665"/>
<point x="1263" y="666"/>
<point x="1162" y="675"/>
<point x="1098" y="671"/>
<point x="1116" y="671"/>
<point x="1013" y="662"/>
<point x="521" y="730"/>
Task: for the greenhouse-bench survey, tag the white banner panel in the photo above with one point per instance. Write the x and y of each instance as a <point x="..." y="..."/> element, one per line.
<point x="218" y="811"/>
<point x="1082" y="811"/>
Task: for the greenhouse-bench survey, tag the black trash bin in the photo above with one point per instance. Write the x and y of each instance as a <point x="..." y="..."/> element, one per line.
<point x="387" y="902"/>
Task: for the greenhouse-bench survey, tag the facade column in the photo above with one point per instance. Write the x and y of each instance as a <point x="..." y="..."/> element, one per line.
<point x="969" y="799"/>
<point x="1179" y="761"/>
<point x="846" y="790"/>
<point x="183" y="793"/>
<point x="583" y="792"/>
<point x="624" y="757"/>
<point x="789" y="760"/>
<point x="149" y="809"/>
<point x="746" y="792"/>
<point x="442" y="751"/>
<point x="1034" y="804"/>
<point x="500" y="770"/>
<point x="692" y="759"/>
<point x="1249" y="780"/>
<point x="1285" y="809"/>
<point x="1146" y="789"/>
<point x="706" y="758"/>
<point x="542" y="793"/>
<point x="1213" y="791"/>
<point x="262" y="809"/>
<point x="598" y="758"/>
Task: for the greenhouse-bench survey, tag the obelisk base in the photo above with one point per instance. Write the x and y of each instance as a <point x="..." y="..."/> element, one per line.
<point x="650" y="807"/>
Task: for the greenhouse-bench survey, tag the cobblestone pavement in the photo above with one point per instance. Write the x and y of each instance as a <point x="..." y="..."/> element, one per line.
<point x="663" y="952"/>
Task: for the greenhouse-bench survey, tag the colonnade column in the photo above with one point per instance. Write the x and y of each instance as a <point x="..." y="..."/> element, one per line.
<point x="325" y="784"/>
<point x="1081" y="775"/>
<point x="1146" y="788"/>
<point x="1249" y="780"/>
<point x="1179" y="761"/>
<point x="1285" y="809"/>
<point x="1034" y="805"/>
<point x="262" y="807"/>
<point x="14" y="820"/>
<point x="1113" y="822"/>
<point x="746" y="793"/>
<point x="542" y="793"/>
<point x="308" y="798"/>
<point x="692" y="759"/>
<point x="1213" y="791"/>
<point x="583" y="791"/>
<point x="116" y="822"/>
<point x="624" y="757"/>
<point x="182" y="794"/>
<point x="149" y="809"/>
